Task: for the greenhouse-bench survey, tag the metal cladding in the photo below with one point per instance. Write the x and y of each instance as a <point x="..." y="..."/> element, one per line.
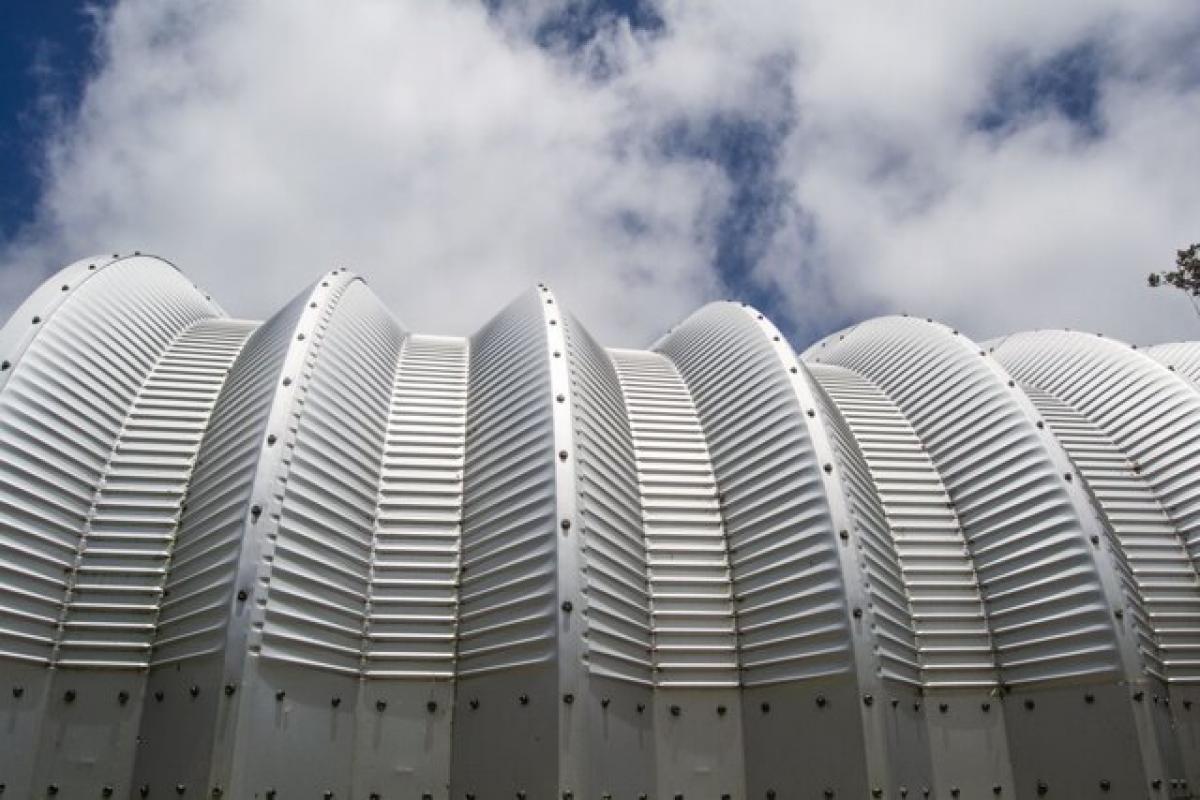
<point x="324" y="556"/>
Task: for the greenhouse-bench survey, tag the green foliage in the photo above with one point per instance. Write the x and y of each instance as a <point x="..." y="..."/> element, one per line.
<point x="1185" y="276"/>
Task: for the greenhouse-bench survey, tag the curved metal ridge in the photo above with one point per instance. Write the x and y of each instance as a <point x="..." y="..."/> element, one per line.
<point x="324" y="555"/>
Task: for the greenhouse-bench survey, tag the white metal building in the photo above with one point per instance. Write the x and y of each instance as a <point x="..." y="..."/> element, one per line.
<point x="327" y="557"/>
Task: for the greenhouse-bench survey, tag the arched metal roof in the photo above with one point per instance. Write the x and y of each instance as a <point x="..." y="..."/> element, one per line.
<point x="327" y="556"/>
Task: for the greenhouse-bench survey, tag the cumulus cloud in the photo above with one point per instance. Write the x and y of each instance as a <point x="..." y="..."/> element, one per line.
<point x="997" y="167"/>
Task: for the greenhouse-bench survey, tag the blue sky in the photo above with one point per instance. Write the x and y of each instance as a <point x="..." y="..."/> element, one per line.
<point x="1000" y="169"/>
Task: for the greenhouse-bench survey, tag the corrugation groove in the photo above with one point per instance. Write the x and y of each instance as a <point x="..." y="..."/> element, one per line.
<point x="199" y="586"/>
<point x="118" y="579"/>
<point x="939" y="575"/>
<point x="317" y="595"/>
<point x="788" y="585"/>
<point x="893" y="628"/>
<point x="614" y="549"/>
<point x="1132" y="429"/>
<point x="413" y="610"/>
<point x="691" y="594"/>
<point x="1019" y="521"/>
<point x="61" y="413"/>
<point x="508" y="580"/>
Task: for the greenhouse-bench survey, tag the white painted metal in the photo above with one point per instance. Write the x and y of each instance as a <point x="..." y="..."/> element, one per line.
<point x="324" y="556"/>
<point x="413" y="611"/>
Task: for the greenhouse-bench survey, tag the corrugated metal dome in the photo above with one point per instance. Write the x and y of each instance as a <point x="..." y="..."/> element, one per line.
<point x="324" y="556"/>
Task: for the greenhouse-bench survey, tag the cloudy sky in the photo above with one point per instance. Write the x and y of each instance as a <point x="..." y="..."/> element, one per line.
<point x="999" y="166"/>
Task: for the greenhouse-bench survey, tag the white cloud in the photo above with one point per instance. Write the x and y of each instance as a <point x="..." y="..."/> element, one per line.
<point x="438" y="150"/>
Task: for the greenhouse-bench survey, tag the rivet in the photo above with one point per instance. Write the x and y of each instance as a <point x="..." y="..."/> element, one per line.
<point x="765" y="708"/>
<point x="158" y="695"/>
<point x="255" y="511"/>
<point x="997" y="788"/>
<point x="557" y="354"/>
<point x="943" y="707"/>
<point x="1029" y="704"/>
<point x="641" y="707"/>
<point x="792" y="370"/>
<point x="144" y="790"/>
<point x="986" y="707"/>
<point x="300" y="337"/>
<point x="568" y="606"/>
<point x="1042" y="788"/>
<point x="1138" y="695"/>
<point x="287" y="381"/>
<point x="325" y="284"/>
<point x="604" y="701"/>
<point x="335" y="701"/>
<point x="811" y="413"/>
<point x="474" y="703"/>
<point x="272" y="439"/>
<point x="180" y="788"/>
<point x="381" y="705"/>
<point x="194" y="691"/>
<point x="1156" y="783"/>
<point x="520" y="796"/>
<point x="1105" y="784"/>
<point x="954" y="791"/>
<point x="36" y="320"/>
<point x="844" y="534"/>
<point x="431" y="706"/>
<point x="565" y="524"/>
<point x="328" y="795"/>
<point x="675" y="711"/>
<point x="4" y="365"/>
<point x="560" y="398"/>
<point x="1067" y="476"/>
<point x="721" y="710"/>
<point x="65" y="287"/>
<point x="523" y="699"/>
<point x="1041" y="424"/>
<point x="312" y="305"/>
<point x="827" y="793"/>
<point x="553" y="322"/>
<point x="895" y="703"/>
<point x="1095" y="539"/>
<point x="18" y="691"/>
<point x="828" y="467"/>
<point x="241" y="595"/>
<point x="562" y="455"/>
<point x="1089" y="698"/>
<point x="106" y="791"/>
<point x="91" y="266"/>
<point x="122" y="697"/>
<point x="876" y="792"/>
<point x="568" y="698"/>
<point x="1187" y="704"/>
<point x="69" y="695"/>
<point x="775" y="338"/>
<point x="52" y="789"/>
<point x="857" y="613"/>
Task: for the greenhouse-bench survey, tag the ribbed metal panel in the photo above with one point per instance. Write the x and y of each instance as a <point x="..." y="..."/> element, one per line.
<point x="695" y="636"/>
<point x="321" y="555"/>
<point x="117" y="582"/>
<point x="791" y="608"/>
<point x="199" y="586"/>
<point x="1046" y="603"/>
<point x="1180" y="357"/>
<point x="64" y="403"/>
<point x="413" y="611"/>
<point x="938" y="572"/>
<point x="507" y="595"/>
<point x="1133" y="430"/>
<point x="609" y="509"/>
<point x="892" y="628"/>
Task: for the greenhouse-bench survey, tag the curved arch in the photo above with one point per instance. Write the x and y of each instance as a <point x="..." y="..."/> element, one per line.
<point x="939" y="574"/>
<point x="813" y="607"/>
<point x="983" y="441"/>
<point x="1132" y="428"/>
<point x="65" y="398"/>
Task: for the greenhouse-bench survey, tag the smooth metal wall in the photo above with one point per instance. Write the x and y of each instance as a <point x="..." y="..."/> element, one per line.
<point x="323" y="556"/>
